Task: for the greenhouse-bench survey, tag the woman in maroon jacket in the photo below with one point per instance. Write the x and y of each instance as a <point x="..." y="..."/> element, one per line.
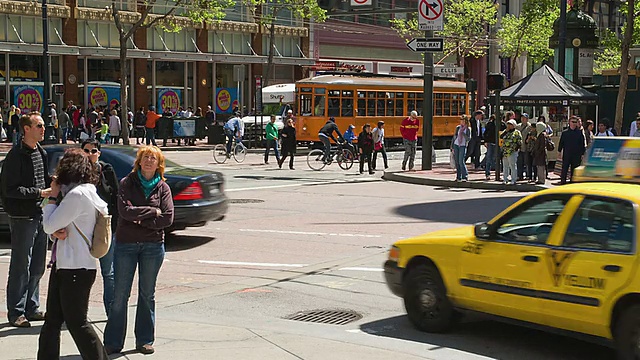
<point x="145" y="209"/>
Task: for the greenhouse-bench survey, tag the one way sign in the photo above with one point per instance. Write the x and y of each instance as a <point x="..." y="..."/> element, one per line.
<point x="421" y="45"/>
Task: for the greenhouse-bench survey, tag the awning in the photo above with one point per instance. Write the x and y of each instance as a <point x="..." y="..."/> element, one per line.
<point x="180" y="56"/>
<point x="293" y="61"/>
<point x="113" y="53"/>
<point x="239" y="59"/>
<point x="37" y="49"/>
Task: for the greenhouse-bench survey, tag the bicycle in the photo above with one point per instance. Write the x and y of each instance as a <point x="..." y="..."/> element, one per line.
<point x="238" y="151"/>
<point x="343" y="156"/>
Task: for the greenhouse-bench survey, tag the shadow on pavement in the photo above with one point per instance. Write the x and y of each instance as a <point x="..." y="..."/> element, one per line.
<point x="8" y="330"/>
<point x="178" y="242"/>
<point x="493" y="339"/>
<point x="467" y="211"/>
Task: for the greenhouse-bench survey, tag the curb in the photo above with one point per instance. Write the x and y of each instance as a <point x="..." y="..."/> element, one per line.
<point x="481" y="185"/>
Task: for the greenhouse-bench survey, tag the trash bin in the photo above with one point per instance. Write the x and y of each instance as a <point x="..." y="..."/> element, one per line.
<point x="216" y="135"/>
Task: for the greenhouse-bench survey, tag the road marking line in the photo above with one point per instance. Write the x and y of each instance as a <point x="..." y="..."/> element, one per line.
<point x="361" y="269"/>
<point x="324" y="182"/>
<point x="308" y="233"/>
<point x="241" y="263"/>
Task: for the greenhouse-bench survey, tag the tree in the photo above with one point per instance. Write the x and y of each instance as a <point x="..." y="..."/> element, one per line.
<point x="609" y="55"/>
<point x="195" y="11"/>
<point x="624" y="65"/>
<point x="466" y="27"/>
<point x="528" y="33"/>
<point x="301" y="9"/>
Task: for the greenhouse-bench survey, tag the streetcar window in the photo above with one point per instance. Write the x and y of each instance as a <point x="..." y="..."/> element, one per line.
<point x="447" y="105"/>
<point x="334" y="106"/>
<point x="347" y="93"/>
<point x="411" y="95"/>
<point x="371" y="94"/>
<point x="390" y="107"/>
<point x="347" y="106"/>
<point x="399" y="107"/>
<point x="437" y="107"/>
<point x="419" y="107"/>
<point x="305" y="104"/>
<point x="319" y="105"/>
<point x="362" y="107"/>
<point x="463" y="104"/>
<point x="306" y="89"/>
<point x="371" y="107"/>
<point x="380" y="107"/>
<point x="362" y="94"/>
<point x="335" y="93"/>
<point x="320" y="91"/>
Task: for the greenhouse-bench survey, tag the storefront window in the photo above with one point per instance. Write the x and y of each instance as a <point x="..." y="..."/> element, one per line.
<point x="232" y="43"/>
<point x="28" y="29"/>
<point x="169" y="86"/>
<point x="3" y="87"/>
<point x="103" y="88"/>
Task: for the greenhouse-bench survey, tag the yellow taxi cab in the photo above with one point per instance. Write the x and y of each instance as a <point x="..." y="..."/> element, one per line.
<point x="564" y="258"/>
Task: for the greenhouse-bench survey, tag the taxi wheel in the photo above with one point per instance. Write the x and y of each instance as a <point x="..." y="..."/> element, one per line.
<point x="627" y="334"/>
<point x="426" y="300"/>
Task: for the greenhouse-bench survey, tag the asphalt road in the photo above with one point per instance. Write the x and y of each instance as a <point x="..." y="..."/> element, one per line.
<point x="303" y="240"/>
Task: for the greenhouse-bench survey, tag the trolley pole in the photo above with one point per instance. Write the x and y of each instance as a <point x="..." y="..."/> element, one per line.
<point x="427" y="108"/>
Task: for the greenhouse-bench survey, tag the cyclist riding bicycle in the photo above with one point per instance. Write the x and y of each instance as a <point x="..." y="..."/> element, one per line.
<point x="234" y="127"/>
<point x="326" y="133"/>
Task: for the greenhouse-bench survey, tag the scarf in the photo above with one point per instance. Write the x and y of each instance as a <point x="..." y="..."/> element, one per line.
<point x="148" y="185"/>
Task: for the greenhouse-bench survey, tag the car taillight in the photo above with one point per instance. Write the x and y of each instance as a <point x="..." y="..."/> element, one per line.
<point x="192" y="192"/>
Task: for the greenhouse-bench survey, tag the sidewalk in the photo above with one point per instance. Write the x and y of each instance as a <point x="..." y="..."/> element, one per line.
<point x="443" y="176"/>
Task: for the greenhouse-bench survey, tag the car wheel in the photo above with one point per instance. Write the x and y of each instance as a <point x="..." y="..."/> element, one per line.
<point x="426" y="300"/>
<point x="627" y="334"/>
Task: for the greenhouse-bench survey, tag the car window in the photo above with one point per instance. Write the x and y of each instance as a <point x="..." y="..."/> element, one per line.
<point x="54" y="159"/>
<point x="532" y="221"/>
<point x="602" y="224"/>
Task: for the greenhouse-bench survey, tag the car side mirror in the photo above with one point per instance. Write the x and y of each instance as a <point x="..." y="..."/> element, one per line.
<point x="481" y="231"/>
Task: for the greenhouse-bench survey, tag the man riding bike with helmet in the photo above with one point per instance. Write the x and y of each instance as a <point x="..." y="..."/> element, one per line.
<point x="326" y="133"/>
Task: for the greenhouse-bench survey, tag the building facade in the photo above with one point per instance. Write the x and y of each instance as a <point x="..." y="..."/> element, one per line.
<point x="200" y="65"/>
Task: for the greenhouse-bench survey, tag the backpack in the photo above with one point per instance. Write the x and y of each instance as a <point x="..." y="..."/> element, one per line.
<point x="550" y="145"/>
<point x="101" y="240"/>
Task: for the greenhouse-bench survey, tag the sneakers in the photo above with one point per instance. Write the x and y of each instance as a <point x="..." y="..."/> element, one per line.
<point x="146" y="349"/>
<point x="20" y="322"/>
<point x="487" y="177"/>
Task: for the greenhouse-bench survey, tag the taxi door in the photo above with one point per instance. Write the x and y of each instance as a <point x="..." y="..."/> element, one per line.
<point x="587" y="270"/>
<point x="499" y="274"/>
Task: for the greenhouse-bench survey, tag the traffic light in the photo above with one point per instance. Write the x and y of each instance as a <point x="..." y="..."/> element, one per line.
<point x="472" y="85"/>
<point x="496" y="81"/>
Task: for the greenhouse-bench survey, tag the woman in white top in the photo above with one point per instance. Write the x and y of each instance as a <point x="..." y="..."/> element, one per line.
<point x="73" y="269"/>
<point x="114" y="127"/>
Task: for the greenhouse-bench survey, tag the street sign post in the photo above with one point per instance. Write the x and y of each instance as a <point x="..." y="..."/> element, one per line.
<point x="430" y="14"/>
<point x="424" y="44"/>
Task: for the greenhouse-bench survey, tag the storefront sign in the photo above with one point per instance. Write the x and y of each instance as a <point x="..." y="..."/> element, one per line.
<point x="611" y="158"/>
<point x="343" y="65"/>
<point x="104" y="95"/>
<point x="400" y="69"/>
<point x="225" y="99"/>
<point x="28" y="98"/>
<point x="184" y="128"/>
<point x="169" y="99"/>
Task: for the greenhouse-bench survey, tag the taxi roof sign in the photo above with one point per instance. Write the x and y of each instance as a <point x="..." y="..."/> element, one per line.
<point x="611" y="159"/>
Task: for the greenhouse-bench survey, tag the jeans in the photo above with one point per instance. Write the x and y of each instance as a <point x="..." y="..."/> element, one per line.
<point x="147" y="257"/>
<point x="490" y="156"/>
<point x="151" y="136"/>
<point x="68" y="302"/>
<point x="528" y="163"/>
<point x="409" y="153"/>
<point x="26" y="267"/>
<point x="459" y="154"/>
<point x="229" y="135"/>
<point x="327" y="147"/>
<point x="569" y="162"/>
<point x="375" y="158"/>
<point x="510" y="167"/>
<point x="65" y="134"/>
<point x="522" y="168"/>
<point x="106" y="269"/>
<point x="271" y="144"/>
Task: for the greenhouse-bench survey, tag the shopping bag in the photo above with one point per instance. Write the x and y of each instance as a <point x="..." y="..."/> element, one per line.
<point x="452" y="160"/>
<point x="3" y="134"/>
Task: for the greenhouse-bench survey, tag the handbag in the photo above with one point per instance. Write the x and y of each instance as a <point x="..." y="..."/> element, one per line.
<point x="101" y="241"/>
<point x="452" y="160"/>
<point x="377" y="146"/>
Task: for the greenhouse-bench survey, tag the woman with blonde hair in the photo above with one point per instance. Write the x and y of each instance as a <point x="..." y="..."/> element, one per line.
<point x="145" y="210"/>
<point x="459" y="143"/>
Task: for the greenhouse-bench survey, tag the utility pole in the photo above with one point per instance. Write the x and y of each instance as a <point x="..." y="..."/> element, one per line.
<point x="562" y="38"/>
<point x="427" y="108"/>
<point x="49" y="136"/>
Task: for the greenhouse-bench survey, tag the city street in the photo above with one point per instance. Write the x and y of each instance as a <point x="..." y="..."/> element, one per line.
<point x="299" y="240"/>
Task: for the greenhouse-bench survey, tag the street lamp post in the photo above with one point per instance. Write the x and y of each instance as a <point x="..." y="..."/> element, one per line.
<point x="49" y="135"/>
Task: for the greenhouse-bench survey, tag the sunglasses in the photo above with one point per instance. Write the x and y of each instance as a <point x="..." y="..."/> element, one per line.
<point x="39" y="126"/>
<point x="92" y="151"/>
<point x="574" y="122"/>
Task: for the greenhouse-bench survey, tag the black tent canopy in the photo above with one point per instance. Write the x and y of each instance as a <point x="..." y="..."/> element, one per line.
<point x="545" y="87"/>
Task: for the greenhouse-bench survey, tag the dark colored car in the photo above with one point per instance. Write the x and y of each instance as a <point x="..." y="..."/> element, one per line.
<point x="198" y="195"/>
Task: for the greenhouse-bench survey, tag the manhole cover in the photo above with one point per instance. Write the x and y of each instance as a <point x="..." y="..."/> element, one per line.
<point x="331" y="317"/>
<point x="245" y="201"/>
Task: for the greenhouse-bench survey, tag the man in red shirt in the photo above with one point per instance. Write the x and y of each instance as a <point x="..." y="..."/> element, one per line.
<point x="409" y="130"/>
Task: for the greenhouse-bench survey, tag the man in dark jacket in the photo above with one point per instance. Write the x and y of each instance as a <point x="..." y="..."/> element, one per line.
<point x="490" y="144"/>
<point x="25" y="182"/>
<point x="572" y="147"/>
<point x="326" y="133"/>
<point x="476" y="138"/>
<point x="288" y="139"/>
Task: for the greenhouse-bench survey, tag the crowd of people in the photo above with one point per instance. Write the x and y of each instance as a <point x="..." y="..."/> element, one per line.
<point x="524" y="146"/>
<point x="63" y="209"/>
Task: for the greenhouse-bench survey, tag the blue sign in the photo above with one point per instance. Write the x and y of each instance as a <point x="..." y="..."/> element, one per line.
<point x="103" y="96"/>
<point x="184" y="128"/>
<point x="611" y="157"/>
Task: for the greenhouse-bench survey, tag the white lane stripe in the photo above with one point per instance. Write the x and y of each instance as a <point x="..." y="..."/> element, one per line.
<point x="240" y="263"/>
<point x="304" y="184"/>
<point x="308" y="233"/>
<point x="362" y="269"/>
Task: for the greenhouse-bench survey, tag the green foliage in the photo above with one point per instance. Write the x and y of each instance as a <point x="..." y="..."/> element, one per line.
<point x="301" y="9"/>
<point x="609" y="54"/>
<point x="466" y="27"/>
<point x="529" y="32"/>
